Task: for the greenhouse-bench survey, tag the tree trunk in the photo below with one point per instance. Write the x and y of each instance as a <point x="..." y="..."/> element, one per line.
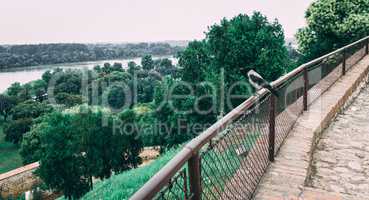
<point x="91" y="184"/>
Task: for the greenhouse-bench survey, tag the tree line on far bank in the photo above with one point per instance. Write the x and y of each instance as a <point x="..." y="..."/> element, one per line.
<point x="44" y="54"/>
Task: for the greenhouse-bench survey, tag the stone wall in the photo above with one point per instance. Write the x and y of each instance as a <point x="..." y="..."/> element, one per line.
<point x="14" y="183"/>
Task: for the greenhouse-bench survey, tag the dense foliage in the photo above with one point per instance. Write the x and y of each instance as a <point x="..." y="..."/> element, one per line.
<point x="248" y="42"/>
<point x="76" y="138"/>
<point x="22" y="119"/>
<point x="74" y="146"/>
<point x="6" y="104"/>
<point x="231" y="48"/>
<point x="331" y="25"/>
<point x="41" y="54"/>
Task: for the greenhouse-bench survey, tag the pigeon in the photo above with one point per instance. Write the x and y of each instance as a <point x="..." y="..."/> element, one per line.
<point x="258" y="82"/>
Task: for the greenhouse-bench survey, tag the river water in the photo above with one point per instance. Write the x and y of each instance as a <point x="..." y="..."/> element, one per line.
<point x="27" y="74"/>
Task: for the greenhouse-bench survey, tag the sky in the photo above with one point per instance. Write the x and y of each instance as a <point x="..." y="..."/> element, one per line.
<point x="90" y="21"/>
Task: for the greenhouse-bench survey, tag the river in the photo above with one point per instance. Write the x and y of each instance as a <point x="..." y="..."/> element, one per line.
<point x="27" y="74"/>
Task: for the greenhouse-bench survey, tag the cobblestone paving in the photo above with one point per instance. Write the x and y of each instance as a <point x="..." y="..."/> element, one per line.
<point x="341" y="160"/>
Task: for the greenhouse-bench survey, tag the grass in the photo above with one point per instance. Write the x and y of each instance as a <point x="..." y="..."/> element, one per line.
<point x="219" y="167"/>
<point x="124" y="185"/>
<point x="9" y="154"/>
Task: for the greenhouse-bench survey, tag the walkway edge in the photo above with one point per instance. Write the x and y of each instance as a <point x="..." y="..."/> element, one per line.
<point x="292" y="169"/>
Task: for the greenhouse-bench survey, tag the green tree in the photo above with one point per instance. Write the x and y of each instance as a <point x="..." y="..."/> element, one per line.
<point x="247" y="42"/>
<point x="31" y="144"/>
<point x="195" y="61"/>
<point x="117" y="67"/>
<point x="332" y="24"/>
<point x="68" y="81"/>
<point x="62" y="162"/>
<point x="23" y="116"/>
<point x="241" y="42"/>
<point x="146" y="123"/>
<point x="19" y="92"/>
<point x="231" y="48"/>
<point x="97" y="68"/>
<point x="6" y="104"/>
<point x="132" y="143"/>
<point x="39" y="88"/>
<point x="46" y="76"/>
<point x="133" y="67"/>
<point x="14" y="89"/>
<point x="116" y="96"/>
<point x="165" y="67"/>
<point x="117" y="76"/>
<point x="178" y="116"/>
<point x="147" y="62"/>
<point x="81" y="143"/>
<point x="69" y="100"/>
<point x="26" y="92"/>
<point x="30" y="109"/>
<point x="15" y="129"/>
<point x="107" y="68"/>
<point x="145" y="89"/>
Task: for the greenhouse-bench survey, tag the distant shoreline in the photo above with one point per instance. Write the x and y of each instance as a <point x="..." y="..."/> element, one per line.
<point x="70" y="64"/>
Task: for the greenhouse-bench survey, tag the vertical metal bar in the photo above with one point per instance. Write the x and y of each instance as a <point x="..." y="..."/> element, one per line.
<point x="185" y="185"/>
<point x="306" y="88"/>
<point x="195" y="176"/>
<point x="344" y="63"/>
<point x="367" y="46"/>
<point x="271" y="127"/>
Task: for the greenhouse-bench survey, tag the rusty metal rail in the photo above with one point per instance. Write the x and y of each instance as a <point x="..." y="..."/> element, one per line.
<point x="228" y="160"/>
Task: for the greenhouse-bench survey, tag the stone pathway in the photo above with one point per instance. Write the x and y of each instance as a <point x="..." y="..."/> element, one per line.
<point x="288" y="177"/>
<point x="341" y="160"/>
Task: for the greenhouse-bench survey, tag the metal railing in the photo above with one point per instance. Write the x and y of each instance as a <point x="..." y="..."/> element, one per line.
<point x="228" y="160"/>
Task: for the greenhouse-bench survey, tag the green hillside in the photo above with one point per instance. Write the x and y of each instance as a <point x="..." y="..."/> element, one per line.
<point x="9" y="156"/>
<point x="124" y="185"/>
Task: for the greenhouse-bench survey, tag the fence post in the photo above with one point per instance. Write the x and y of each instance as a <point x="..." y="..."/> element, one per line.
<point x="306" y="88"/>
<point x="195" y="176"/>
<point x="271" y="128"/>
<point x="367" y="47"/>
<point x="344" y="63"/>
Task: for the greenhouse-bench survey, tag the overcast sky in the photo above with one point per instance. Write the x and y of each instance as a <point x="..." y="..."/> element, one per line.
<point x="45" y="21"/>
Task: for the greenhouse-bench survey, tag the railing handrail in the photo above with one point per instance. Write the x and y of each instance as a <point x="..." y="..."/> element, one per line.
<point x="162" y="178"/>
<point x="301" y="68"/>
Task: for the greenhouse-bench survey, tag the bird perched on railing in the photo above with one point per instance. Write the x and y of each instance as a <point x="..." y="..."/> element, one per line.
<point x="257" y="81"/>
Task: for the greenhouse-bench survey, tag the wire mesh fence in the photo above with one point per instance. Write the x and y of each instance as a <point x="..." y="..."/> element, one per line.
<point x="177" y="188"/>
<point x="232" y="165"/>
<point x="289" y="107"/>
<point x="234" y="153"/>
<point x="355" y="54"/>
<point x="323" y="75"/>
